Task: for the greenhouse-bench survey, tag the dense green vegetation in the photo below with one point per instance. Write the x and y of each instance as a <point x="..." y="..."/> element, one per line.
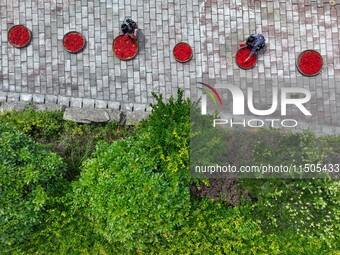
<point x="124" y="191"/>
<point x="72" y="141"/>
<point x="30" y="184"/>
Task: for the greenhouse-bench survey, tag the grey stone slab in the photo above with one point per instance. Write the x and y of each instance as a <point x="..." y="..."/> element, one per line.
<point x="49" y="107"/>
<point x="88" y="103"/>
<point x="101" y="104"/>
<point x="139" y="107"/>
<point x="51" y="99"/>
<point x="62" y="100"/>
<point x="89" y="115"/>
<point x="132" y="118"/>
<point x="3" y="96"/>
<point x="148" y="108"/>
<point x="76" y="102"/>
<point x="114" y="105"/>
<point x="127" y="106"/>
<point x="115" y="115"/>
<point x="26" y="97"/>
<point x="13" y="97"/>
<point x="13" y="106"/>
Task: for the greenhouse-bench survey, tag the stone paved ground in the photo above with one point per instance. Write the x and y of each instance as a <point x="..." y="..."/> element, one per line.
<point x="45" y="72"/>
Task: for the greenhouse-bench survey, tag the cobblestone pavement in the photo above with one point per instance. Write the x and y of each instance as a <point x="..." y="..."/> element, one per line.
<point x="45" y="72"/>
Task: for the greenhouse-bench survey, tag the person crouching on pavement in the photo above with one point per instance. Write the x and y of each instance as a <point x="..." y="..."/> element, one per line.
<point x="254" y="42"/>
<point x="130" y="28"/>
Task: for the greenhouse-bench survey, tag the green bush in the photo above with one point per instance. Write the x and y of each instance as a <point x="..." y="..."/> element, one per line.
<point x="304" y="207"/>
<point x="301" y="206"/>
<point x="128" y="198"/>
<point x="30" y="184"/>
<point x="44" y="126"/>
<point x="166" y="132"/>
<point x="207" y="144"/>
<point x="290" y="244"/>
<point x="285" y="148"/>
<point x="211" y="228"/>
<point x="133" y="195"/>
<point x="135" y="190"/>
<point x="68" y="231"/>
<point x="77" y="142"/>
<point x="74" y="142"/>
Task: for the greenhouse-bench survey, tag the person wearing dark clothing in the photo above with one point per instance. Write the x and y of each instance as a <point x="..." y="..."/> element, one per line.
<point x="130" y="28"/>
<point x="254" y="42"/>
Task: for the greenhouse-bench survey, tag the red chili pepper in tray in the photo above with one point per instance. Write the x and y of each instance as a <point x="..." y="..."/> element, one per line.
<point x="182" y="52"/>
<point x="310" y="63"/>
<point x="19" y="36"/>
<point x="241" y="57"/>
<point x="125" y="47"/>
<point x="74" y="42"/>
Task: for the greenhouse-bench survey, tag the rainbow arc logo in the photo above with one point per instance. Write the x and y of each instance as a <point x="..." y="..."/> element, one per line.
<point x="209" y="90"/>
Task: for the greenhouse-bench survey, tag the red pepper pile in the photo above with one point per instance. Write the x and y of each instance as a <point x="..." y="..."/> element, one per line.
<point x="310" y="62"/>
<point x="74" y="42"/>
<point x="182" y="52"/>
<point x="19" y="36"/>
<point x="125" y="47"/>
<point x="242" y="55"/>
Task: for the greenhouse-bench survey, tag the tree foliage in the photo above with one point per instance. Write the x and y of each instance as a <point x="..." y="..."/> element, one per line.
<point x="30" y="182"/>
<point x="135" y="190"/>
<point x="133" y="195"/>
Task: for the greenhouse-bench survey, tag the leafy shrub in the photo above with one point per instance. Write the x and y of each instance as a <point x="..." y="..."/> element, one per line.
<point x="44" y="126"/>
<point x="222" y="190"/>
<point x="302" y="206"/>
<point x="133" y="196"/>
<point x="288" y="148"/>
<point x="286" y="243"/>
<point x="72" y="141"/>
<point x="135" y="190"/>
<point x="305" y="209"/>
<point x="127" y="197"/>
<point x="30" y="183"/>
<point x="332" y="151"/>
<point x="142" y="182"/>
<point x="207" y="144"/>
<point x="166" y="132"/>
<point x="78" y="141"/>
<point x="213" y="229"/>
<point x="68" y="231"/>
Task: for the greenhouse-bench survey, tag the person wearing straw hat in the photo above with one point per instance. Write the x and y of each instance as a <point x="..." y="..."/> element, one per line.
<point x="130" y="28"/>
